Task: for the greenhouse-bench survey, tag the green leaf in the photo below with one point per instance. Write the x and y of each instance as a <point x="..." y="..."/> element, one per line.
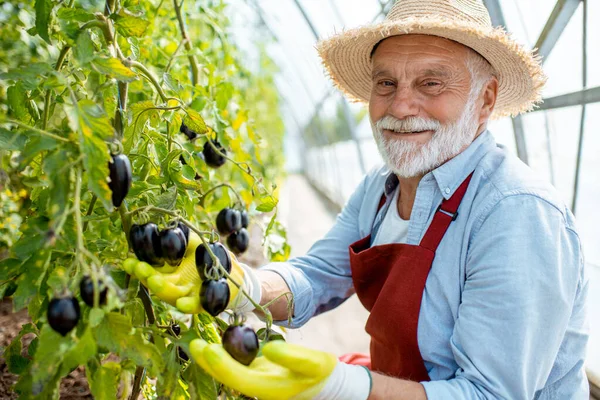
<point x="32" y="239"/>
<point x="268" y="203"/>
<point x="140" y="114"/>
<point x="51" y="350"/>
<point x="12" y="140"/>
<point x="129" y="25"/>
<point x="114" y="68"/>
<point x="94" y="127"/>
<point x="12" y="354"/>
<point x="43" y="8"/>
<point x="74" y="14"/>
<point x="84" y="50"/>
<point x="202" y="385"/>
<point x="34" y="270"/>
<point x="195" y="122"/>
<point x="168" y="199"/>
<point x="118" y="335"/>
<point x="84" y="349"/>
<point x="17" y="102"/>
<point x="60" y="181"/>
<point x="30" y="75"/>
<point x="166" y="386"/>
<point x="105" y="380"/>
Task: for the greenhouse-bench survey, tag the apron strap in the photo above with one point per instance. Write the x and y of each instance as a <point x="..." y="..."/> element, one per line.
<point x="445" y="214"/>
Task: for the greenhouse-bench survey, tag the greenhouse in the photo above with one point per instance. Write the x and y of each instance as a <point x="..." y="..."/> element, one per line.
<point x="299" y="199"/>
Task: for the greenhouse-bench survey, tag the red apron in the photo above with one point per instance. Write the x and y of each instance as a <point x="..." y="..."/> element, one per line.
<point x="389" y="281"/>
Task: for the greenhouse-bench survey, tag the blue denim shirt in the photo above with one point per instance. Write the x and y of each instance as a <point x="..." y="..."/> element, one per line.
<point x="503" y="313"/>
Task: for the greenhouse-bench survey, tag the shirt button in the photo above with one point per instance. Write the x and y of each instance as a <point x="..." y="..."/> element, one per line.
<point x="447" y="190"/>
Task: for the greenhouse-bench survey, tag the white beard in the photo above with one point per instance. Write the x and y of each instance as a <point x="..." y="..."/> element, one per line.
<point x="408" y="159"/>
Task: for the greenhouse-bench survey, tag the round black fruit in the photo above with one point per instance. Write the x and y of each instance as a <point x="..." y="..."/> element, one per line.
<point x="212" y="158"/>
<point x="63" y="314"/>
<point x="176" y="329"/>
<point x="172" y="245"/>
<point x="86" y="290"/>
<point x="238" y="241"/>
<point x="241" y="342"/>
<point x="214" y="296"/>
<point x="145" y="241"/>
<point x="245" y="219"/>
<point x="229" y="221"/>
<point x="205" y="263"/>
<point x="191" y="135"/>
<point x="120" y="178"/>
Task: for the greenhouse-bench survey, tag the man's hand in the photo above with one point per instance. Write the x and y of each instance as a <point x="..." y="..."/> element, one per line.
<point x="284" y="371"/>
<point x="180" y="285"/>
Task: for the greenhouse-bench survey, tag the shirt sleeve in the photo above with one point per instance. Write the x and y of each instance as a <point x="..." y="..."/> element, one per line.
<point x="522" y="280"/>
<point x="321" y="280"/>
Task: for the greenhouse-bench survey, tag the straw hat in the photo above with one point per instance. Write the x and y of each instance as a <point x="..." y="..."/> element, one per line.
<point x="347" y="56"/>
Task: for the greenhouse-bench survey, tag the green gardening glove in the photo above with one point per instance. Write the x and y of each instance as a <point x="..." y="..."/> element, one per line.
<point x="283" y="371"/>
<point x="180" y="286"/>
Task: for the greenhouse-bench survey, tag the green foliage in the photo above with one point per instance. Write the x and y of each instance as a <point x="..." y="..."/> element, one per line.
<point x="77" y="83"/>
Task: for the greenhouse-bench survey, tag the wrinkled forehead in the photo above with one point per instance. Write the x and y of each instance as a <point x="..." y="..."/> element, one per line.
<point x="419" y="51"/>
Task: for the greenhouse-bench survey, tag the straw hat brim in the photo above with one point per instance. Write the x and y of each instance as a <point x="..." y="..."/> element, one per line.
<point x="347" y="59"/>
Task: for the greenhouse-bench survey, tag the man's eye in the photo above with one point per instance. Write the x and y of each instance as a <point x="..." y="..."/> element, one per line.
<point x="386" y="83"/>
<point x="432" y="84"/>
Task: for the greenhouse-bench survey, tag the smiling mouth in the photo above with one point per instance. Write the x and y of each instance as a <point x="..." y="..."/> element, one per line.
<point x="407" y="132"/>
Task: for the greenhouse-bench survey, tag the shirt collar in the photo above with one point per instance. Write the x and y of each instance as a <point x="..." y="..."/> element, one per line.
<point x="450" y="175"/>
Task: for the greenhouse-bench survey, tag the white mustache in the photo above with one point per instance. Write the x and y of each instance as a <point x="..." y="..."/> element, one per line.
<point x="408" y="124"/>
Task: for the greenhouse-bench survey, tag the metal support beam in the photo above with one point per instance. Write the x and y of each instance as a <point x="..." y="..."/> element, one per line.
<point x="587" y="96"/>
<point x="497" y="18"/>
<point x="560" y="17"/>
<point x="346" y="107"/>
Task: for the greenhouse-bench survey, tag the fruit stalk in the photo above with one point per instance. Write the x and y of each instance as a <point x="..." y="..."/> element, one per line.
<point x="148" y="75"/>
<point x="204" y="195"/>
<point x="90" y="210"/>
<point x="37" y="130"/>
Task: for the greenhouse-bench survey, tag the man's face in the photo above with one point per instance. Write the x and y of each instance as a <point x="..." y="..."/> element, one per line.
<point x="420" y="108"/>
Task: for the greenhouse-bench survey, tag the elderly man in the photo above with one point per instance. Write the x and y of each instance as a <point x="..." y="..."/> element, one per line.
<point x="470" y="266"/>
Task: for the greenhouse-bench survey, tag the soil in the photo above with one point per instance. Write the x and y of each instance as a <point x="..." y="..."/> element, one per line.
<point x="75" y="386"/>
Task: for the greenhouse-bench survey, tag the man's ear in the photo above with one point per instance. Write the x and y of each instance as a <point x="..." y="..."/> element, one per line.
<point x="490" y="94"/>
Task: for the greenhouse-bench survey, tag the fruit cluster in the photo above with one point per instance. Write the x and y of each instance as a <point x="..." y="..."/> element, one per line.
<point x="156" y="247"/>
<point x="213" y="152"/>
<point x="233" y="224"/>
<point x="214" y="292"/>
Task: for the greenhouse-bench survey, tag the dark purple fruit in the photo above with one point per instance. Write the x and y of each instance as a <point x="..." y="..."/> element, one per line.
<point x="86" y="290"/>
<point x="229" y="221"/>
<point x="186" y="231"/>
<point x="245" y="219"/>
<point x="176" y="329"/>
<point x="212" y="158"/>
<point x="191" y="135"/>
<point x="241" y="342"/>
<point x="63" y="314"/>
<point x="120" y="178"/>
<point x="182" y="355"/>
<point x="172" y="245"/>
<point x="214" y="296"/>
<point x="238" y="241"/>
<point x="204" y="261"/>
<point x="145" y="241"/>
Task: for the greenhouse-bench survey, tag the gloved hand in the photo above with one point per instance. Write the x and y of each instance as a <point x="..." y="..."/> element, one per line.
<point x="180" y="285"/>
<point x="285" y="371"/>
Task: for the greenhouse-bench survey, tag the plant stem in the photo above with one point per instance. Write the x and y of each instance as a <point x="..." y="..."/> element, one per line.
<point x="137" y="383"/>
<point x="90" y="210"/>
<point x="147" y="74"/>
<point x="241" y="203"/>
<point x="147" y="302"/>
<point x="188" y="43"/>
<point x="121" y="109"/>
<point x="40" y="131"/>
<point x="59" y="63"/>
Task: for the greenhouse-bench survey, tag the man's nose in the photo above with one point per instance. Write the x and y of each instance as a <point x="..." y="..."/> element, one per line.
<point x="404" y="104"/>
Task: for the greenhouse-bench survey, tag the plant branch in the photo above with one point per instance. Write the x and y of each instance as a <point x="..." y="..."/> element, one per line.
<point x="48" y="97"/>
<point x="121" y="109"/>
<point x="40" y="131"/>
<point x="241" y="203"/>
<point x="148" y="75"/>
<point x="89" y="211"/>
<point x="187" y="43"/>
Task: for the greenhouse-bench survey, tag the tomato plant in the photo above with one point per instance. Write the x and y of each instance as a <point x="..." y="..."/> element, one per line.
<point x="113" y="115"/>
